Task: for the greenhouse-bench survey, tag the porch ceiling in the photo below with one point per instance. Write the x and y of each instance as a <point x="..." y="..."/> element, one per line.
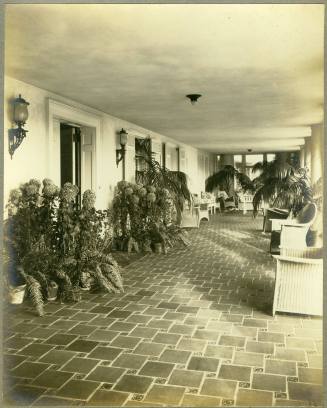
<point x="259" y="67"/>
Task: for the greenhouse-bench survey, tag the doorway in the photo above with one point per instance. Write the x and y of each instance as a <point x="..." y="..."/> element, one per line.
<point x="77" y="157"/>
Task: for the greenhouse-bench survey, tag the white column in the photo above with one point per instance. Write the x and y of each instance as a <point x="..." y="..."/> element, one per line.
<point x="317" y="152"/>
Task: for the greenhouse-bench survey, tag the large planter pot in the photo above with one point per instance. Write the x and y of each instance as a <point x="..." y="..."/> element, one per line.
<point x="16" y="294"/>
<point x="52" y="291"/>
<point x="158" y="248"/>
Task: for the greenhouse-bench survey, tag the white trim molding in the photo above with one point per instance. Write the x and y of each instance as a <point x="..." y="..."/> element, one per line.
<point x="59" y="112"/>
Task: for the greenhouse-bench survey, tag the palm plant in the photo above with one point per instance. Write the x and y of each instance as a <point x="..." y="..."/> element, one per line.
<point x="160" y="177"/>
<point x="282" y="185"/>
<point x="224" y="179"/>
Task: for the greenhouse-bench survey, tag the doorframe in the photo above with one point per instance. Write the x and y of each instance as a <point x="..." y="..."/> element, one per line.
<point x="58" y="111"/>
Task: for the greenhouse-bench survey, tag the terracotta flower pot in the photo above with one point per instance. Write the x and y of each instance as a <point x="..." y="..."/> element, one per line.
<point x="52" y="291"/>
<point x="16" y="294"/>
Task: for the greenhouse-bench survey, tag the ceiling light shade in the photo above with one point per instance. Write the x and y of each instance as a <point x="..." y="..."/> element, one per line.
<point x="193" y="98"/>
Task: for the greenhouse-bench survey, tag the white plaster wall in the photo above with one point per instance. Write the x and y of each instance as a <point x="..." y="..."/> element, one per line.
<point x="31" y="159"/>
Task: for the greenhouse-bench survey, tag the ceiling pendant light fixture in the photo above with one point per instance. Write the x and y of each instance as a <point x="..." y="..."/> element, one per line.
<point x="193" y="98"/>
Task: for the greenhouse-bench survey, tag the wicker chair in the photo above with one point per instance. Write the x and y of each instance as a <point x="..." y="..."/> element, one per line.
<point x="292" y="232"/>
<point x="204" y="211"/>
<point x="299" y="281"/>
<point x="273" y="213"/>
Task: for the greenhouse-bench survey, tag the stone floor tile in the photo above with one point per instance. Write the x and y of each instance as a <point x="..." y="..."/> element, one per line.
<point x="108" y="398"/>
<point x="254" y="398"/>
<point x="101" y="309"/>
<point x="138" y="318"/>
<point x="223" y="327"/>
<point x="24" y="328"/>
<point x="36" y="350"/>
<point x="149" y="349"/>
<point x="153" y="311"/>
<point x="101" y="322"/>
<point x="234" y="318"/>
<point x="105" y="374"/>
<point x="17" y="343"/>
<point x="134" y="383"/>
<point x="160" y="324"/>
<point x="134" y="403"/>
<point x="119" y="314"/>
<point x="203" y="364"/>
<point x="105" y="353"/>
<point x="269" y="382"/>
<point x="255" y="323"/>
<point x="166" y="338"/>
<point x="22" y="395"/>
<point x="165" y="394"/>
<point x="156" y="369"/>
<point x="315" y="360"/>
<point x="125" y="342"/>
<point x="191" y="344"/>
<point x="206" y="335"/>
<point x="182" y="329"/>
<point x="306" y="392"/>
<point x="48" y="401"/>
<point x="244" y="331"/>
<point x="102" y="335"/>
<point x="57" y="357"/>
<point x="310" y="375"/>
<point x="248" y="359"/>
<point x="80" y="365"/>
<point x="82" y="346"/>
<point x="186" y="378"/>
<point x="196" y="321"/>
<point x="168" y="305"/>
<point x="219" y="388"/>
<point x="235" y="372"/>
<point x="175" y="356"/>
<point x="11" y="361"/>
<point x="273" y="326"/>
<point x="29" y="369"/>
<point x="223" y="352"/>
<point x="82" y="329"/>
<point x="280" y="367"/>
<point x="290" y="403"/>
<point x="235" y="341"/>
<point x="52" y="379"/>
<point x="260" y="347"/>
<point x="78" y="389"/>
<point x="191" y="400"/>
<point x="41" y="333"/>
<point x="271" y="337"/>
<point x="311" y="333"/>
<point x="144" y="332"/>
<point x="301" y="343"/>
<point x="61" y="339"/>
<point x="290" y="354"/>
<point x="129" y="361"/>
<point x="188" y="309"/>
<point x="122" y="327"/>
<point x="175" y="316"/>
<point x="63" y="324"/>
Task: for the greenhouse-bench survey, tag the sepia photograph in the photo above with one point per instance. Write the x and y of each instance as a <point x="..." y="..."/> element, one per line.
<point x="163" y="174"/>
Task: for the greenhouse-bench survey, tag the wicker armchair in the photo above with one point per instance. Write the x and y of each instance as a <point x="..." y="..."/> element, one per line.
<point x="299" y="281"/>
<point x="292" y="232"/>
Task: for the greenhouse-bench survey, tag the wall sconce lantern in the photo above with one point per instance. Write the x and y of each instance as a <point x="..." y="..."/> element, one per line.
<point x="120" y="153"/>
<point x="20" y="116"/>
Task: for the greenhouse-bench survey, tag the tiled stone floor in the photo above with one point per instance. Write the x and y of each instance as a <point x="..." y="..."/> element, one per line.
<point x="192" y="329"/>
